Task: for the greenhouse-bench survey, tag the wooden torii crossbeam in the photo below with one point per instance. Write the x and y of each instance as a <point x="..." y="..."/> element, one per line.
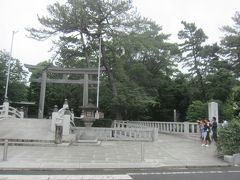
<point x="65" y="71"/>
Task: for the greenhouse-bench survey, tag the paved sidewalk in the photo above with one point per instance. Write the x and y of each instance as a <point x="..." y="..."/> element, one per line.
<point x="168" y="151"/>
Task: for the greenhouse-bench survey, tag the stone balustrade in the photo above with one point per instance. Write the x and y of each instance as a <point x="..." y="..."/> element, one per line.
<point x="184" y="128"/>
<point x="136" y="134"/>
<point x="7" y="111"/>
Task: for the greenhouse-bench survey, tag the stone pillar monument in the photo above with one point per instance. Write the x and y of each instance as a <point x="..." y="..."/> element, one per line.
<point x="175" y="115"/>
<point x="213" y="111"/>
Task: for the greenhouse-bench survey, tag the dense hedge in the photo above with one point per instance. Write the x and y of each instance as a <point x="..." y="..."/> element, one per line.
<point x="229" y="138"/>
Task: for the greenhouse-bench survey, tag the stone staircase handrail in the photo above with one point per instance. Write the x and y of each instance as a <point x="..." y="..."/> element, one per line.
<point x="15" y="112"/>
<point x="7" y="111"/>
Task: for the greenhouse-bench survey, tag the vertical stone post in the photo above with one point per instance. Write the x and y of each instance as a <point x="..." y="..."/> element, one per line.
<point x="66" y="122"/>
<point x="142" y="152"/>
<point x="58" y="134"/>
<point x="6" y="108"/>
<point x="21" y="113"/>
<point x="5" y="150"/>
<point x="72" y="115"/>
<point x="186" y="128"/>
<point x="174" y="115"/>
<point x="85" y="90"/>
<point x="42" y="95"/>
<point x="54" y="116"/>
<point x="154" y="134"/>
<point x="213" y="111"/>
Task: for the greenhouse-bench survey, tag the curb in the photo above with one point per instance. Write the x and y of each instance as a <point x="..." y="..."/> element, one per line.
<point x="109" y="168"/>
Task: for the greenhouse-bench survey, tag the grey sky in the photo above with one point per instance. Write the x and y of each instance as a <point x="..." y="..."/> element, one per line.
<point x="16" y="15"/>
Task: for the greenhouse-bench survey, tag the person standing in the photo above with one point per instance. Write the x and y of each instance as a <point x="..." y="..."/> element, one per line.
<point x="214" y="129"/>
<point x="206" y="129"/>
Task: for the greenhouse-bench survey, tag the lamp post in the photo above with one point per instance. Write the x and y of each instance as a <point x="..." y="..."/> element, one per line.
<point x="98" y="80"/>
<point x="9" y="62"/>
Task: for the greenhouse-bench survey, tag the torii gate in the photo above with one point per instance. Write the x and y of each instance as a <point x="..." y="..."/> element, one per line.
<point x="65" y="71"/>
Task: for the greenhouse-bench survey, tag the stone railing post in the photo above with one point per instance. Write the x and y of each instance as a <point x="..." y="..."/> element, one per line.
<point x="6" y="108"/>
<point x="72" y="114"/>
<point x="58" y="132"/>
<point x="186" y="128"/>
<point x="54" y="116"/>
<point x="21" y="113"/>
<point x="5" y="150"/>
<point x="154" y="134"/>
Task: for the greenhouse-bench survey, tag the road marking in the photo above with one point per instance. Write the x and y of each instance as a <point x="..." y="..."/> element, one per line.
<point x="233" y="171"/>
<point x="180" y="172"/>
<point x="65" y="177"/>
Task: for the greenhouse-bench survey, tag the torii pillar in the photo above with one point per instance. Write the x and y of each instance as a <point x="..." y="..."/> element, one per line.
<point x="42" y="95"/>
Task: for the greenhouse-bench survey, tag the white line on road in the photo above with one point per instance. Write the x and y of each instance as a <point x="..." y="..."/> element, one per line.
<point x="65" y="177"/>
<point x="182" y="172"/>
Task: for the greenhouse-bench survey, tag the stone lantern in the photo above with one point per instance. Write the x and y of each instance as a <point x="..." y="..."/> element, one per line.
<point x="88" y="113"/>
<point x="88" y="118"/>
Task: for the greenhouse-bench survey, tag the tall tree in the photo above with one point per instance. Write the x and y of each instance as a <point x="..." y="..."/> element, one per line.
<point x="126" y="38"/>
<point x="191" y="48"/>
<point x="231" y="43"/>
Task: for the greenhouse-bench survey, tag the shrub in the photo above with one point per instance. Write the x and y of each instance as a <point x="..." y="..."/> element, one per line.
<point x="229" y="138"/>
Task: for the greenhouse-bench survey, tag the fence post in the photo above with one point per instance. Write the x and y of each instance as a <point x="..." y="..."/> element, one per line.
<point x="142" y="152"/>
<point x="6" y="108"/>
<point x="114" y="124"/>
<point x="154" y="134"/>
<point x="21" y="113"/>
<point x="5" y="150"/>
<point x="186" y="128"/>
<point x="54" y="116"/>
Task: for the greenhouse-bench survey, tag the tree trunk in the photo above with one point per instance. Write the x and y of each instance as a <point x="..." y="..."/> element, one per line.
<point x="116" y="111"/>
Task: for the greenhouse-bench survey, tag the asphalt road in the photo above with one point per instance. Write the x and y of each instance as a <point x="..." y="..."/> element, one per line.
<point x="213" y="173"/>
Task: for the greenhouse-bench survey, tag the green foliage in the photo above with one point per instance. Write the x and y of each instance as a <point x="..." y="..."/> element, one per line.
<point x="170" y="93"/>
<point x="103" y="123"/>
<point x="17" y="89"/>
<point x="231" y="43"/>
<point x="226" y="111"/>
<point x="229" y="138"/>
<point x="132" y="47"/>
<point x="192" y="48"/>
<point x="197" y="110"/>
<point x="140" y="80"/>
